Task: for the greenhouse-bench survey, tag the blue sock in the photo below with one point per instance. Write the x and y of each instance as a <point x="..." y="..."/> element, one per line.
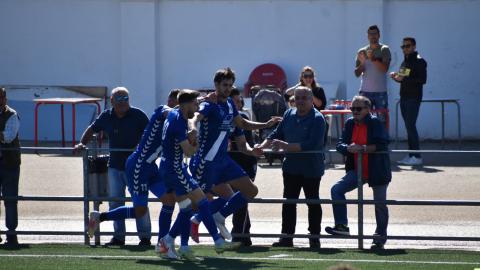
<point x="236" y="202"/>
<point x="120" y="213"/>
<point x="185" y="231"/>
<point x="165" y="220"/>
<point x="181" y="223"/>
<point x="206" y="217"/>
<point x="214" y="206"/>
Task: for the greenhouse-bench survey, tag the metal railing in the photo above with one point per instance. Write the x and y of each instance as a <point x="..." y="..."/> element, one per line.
<point x="86" y="199"/>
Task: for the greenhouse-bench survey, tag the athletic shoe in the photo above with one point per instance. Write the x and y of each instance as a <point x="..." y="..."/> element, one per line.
<point x="187" y="254"/>
<point x="405" y="159"/>
<point x="194" y="231"/>
<point x="222" y="246"/>
<point x="413" y="161"/>
<point x="168" y="246"/>
<point x="283" y="242"/>
<point x="339" y="229"/>
<point x="220" y="222"/>
<point x="115" y="242"/>
<point x="93" y="223"/>
<point x="377" y="246"/>
<point x="144" y="242"/>
<point x="314" y="243"/>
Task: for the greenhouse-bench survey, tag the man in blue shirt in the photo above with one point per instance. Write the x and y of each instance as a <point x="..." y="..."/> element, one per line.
<point x="302" y="129"/>
<point x="177" y="143"/>
<point x="124" y="126"/>
<point x="211" y="166"/>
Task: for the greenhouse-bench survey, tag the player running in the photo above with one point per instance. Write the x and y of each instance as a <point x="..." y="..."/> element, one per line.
<point x="211" y="166"/>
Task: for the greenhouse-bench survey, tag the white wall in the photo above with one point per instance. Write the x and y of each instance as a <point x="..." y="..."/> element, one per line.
<point x="151" y="46"/>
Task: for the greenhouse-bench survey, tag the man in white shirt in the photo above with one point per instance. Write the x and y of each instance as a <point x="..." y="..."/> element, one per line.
<point x="9" y="164"/>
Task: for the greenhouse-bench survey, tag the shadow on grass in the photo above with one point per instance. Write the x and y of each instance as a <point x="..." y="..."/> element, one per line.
<point x="210" y="263"/>
<point x="386" y="252"/>
<point x="14" y="247"/>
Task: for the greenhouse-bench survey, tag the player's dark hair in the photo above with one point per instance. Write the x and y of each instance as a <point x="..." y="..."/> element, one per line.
<point x="234" y="92"/>
<point x="174" y="93"/>
<point x="411" y="39"/>
<point x="186" y="96"/>
<point x="224" y="74"/>
<point x="373" y="27"/>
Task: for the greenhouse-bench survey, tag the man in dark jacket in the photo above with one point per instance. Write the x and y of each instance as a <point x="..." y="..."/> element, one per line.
<point x="412" y="76"/>
<point x="363" y="134"/>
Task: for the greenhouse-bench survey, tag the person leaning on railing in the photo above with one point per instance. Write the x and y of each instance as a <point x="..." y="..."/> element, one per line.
<point x="363" y="134"/>
<point x="9" y="164"/>
<point x="302" y="129"/>
<point x="124" y="125"/>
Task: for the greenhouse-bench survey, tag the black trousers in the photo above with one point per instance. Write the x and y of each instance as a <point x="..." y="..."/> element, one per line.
<point x="292" y="184"/>
<point x="241" y="218"/>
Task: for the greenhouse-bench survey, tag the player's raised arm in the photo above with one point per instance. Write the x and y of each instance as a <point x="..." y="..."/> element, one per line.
<point x="252" y="125"/>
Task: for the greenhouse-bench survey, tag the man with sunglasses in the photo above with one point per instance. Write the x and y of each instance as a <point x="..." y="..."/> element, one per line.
<point x="124" y="126"/>
<point x="364" y="135"/>
<point x="372" y="64"/>
<point x="412" y="76"/>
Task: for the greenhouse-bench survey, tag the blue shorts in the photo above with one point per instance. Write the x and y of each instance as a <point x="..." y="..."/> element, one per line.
<point x="178" y="180"/>
<point x="143" y="177"/>
<point x="210" y="173"/>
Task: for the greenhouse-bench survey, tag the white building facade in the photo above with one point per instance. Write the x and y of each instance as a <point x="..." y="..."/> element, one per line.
<point x="152" y="46"/>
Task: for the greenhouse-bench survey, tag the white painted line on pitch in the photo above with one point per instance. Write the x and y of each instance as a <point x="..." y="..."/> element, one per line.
<point x="280" y="256"/>
<point x="236" y="258"/>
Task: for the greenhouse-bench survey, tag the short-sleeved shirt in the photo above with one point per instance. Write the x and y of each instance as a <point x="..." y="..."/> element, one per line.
<point x="374" y="80"/>
<point x="215" y="129"/>
<point x="122" y="132"/>
<point x="174" y="132"/>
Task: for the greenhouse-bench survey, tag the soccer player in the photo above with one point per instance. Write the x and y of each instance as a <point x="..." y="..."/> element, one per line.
<point x="211" y="166"/>
<point x="142" y="175"/>
<point x="177" y="142"/>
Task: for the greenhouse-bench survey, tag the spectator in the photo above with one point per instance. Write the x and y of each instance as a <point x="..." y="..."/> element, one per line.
<point x="239" y="138"/>
<point x="124" y="126"/>
<point x="307" y="78"/>
<point x="412" y="76"/>
<point x="9" y="164"/>
<point x="299" y="131"/>
<point x="365" y="134"/>
<point x="372" y="63"/>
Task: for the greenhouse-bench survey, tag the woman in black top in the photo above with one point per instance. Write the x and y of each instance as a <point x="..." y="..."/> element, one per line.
<point x="307" y="78"/>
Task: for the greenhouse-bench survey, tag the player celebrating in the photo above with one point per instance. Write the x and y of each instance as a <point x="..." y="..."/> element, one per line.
<point x="211" y="166"/>
<point x="177" y="142"/>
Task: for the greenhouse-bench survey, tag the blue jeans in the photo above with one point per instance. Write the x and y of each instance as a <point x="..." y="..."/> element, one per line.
<point x="349" y="183"/>
<point x="9" y="187"/>
<point x="410" y="108"/>
<point x="117" y="182"/>
<point x="379" y="101"/>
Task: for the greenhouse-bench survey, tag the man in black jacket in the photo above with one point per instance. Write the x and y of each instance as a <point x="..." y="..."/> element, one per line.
<point x="412" y="76"/>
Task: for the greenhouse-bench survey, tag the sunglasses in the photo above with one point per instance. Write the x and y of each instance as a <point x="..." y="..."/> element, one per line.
<point x="356" y="109"/>
<point x="121" y="98"/>
<point x="227" y="84"/>
<point x="407" y="46"/>
<point x="307" y="76"/>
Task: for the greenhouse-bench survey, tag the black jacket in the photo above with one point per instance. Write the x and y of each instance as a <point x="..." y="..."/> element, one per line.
<point x="379" y="171"/>
<point x="412" y="85"/>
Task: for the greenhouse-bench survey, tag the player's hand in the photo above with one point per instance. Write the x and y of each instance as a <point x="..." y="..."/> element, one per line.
<point x="211" y="97"/>
<point x="257" y="151"/>
<point x="273" y="121"/>
<point x="192" y="137"/>
<point x="278" y="145"/>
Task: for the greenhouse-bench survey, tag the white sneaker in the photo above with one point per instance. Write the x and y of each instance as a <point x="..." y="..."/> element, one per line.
<point x="413" y="161"/>
<point x="167" y="247"/>
<point x="93" y="223"/>
<point x="187" y="253"/>
<point x="405" y="159"/>
<point x="220" y="222"/>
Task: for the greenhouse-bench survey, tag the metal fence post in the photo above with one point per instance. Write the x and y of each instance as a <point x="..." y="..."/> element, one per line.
<point x="360" y="199"/>
<point x="86" y="203"/>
